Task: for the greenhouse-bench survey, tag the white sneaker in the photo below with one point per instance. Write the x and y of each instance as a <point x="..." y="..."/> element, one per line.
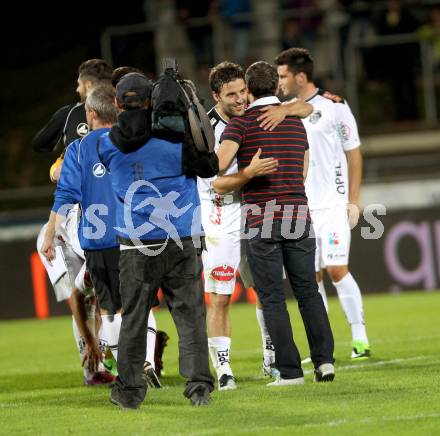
<point x="325" y="373"/>
<point x="286" y="382"/>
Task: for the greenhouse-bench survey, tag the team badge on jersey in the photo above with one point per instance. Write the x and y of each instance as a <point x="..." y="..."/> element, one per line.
<point x="99" y="170"/>
<point x="315" y="117"/>
<point x="224" y="273"/>
<point x="82" y="129"/>
<point x="333" y="238"/>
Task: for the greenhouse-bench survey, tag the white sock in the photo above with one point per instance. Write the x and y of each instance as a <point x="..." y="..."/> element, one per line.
<point x="151" y="339"/>
<point x="268" y="348"/>
<point x="80" y="344"/>
<point x="321" y="290"/>
<point x="111" y="325"/>
<point x="351" y="300"/>
<point x="212" y="352"/>
<point x="220" y="354"/>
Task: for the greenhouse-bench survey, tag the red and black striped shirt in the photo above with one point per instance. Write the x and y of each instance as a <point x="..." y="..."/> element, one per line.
<point x="287" y="143"/>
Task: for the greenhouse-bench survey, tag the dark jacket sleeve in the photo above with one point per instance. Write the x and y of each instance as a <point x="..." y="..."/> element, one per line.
<point x="47" y="138"/>
<point x="197" y="163"/>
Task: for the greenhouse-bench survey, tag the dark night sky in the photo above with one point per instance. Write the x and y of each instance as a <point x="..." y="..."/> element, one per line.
<point x="44" y="30"/>
<point x="42" y="46"/>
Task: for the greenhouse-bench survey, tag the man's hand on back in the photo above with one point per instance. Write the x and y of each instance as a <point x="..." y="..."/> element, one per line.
<point x="274" y="115"/>
<point x="260" y="167"/>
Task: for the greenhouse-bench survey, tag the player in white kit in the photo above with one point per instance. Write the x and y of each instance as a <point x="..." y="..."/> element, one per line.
<point x="221" y="218"/>
<point x="70" y="282"/>
<point x="332" y="185"/>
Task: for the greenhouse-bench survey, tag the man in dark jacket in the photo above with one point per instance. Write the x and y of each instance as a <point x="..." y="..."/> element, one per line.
<point x="278" y="225"/>
<point x="69" y="122"/>
<point x="159" y="230"/>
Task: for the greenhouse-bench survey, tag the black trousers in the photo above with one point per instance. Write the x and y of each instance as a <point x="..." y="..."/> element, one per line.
<point x="266" y="258"/>
<point x="103" y="267"/>
<point x="178" y="272"/>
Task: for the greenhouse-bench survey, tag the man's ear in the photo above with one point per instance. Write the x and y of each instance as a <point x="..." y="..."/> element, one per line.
<point x="215" y="96"/>
<point x="91" y="116"/>
<point x="301" y="79"/>
<point x="88" y="85"/>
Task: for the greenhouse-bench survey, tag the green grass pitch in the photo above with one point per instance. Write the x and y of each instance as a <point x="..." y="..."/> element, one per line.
<point x="396" y="392"/>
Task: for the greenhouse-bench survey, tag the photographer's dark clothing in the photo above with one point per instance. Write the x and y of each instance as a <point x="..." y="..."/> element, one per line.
<point x="178" y="272"/>
<point x="155" y="166"/>
<point x="157" y="209"/>
<point x="68" y="123"/>
<point x="132" y="130"/>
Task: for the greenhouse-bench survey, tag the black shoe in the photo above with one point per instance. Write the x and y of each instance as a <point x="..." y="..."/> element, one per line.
<point x="201" y="396"/>
<point x="114" y="398"/>
<point x="161" y="342"/>
<point x="150" y="376"/>
<point x="226" y="382"/>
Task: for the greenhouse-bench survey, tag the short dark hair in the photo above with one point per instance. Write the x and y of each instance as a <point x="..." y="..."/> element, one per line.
<point x="223" y="73"/>
<point x="261" y="79"/>
<point x="95" y="70"/>
<point x="122" y="71"/>
<point x="101" y="99"/>
<point x="298" y="60"/>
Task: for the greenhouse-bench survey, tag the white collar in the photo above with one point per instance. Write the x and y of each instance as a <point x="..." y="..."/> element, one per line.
<point x="263" y="101"/>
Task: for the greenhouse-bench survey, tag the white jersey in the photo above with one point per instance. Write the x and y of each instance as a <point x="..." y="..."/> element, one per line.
<point x="220" y="213"/>
<point x="331" y="131"/>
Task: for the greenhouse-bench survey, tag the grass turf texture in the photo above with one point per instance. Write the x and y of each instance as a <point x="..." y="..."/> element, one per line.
<point x="396" y="391"/>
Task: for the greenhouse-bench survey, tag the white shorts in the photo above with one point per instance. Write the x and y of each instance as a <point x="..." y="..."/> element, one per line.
<point x="221" y="260"/>
<point x="333" y="236"/>
<point x="69" y="231"/>
<point x="75" y="268"/>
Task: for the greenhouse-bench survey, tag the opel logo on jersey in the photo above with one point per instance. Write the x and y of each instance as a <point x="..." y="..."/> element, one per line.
<point x="82" y="129"/>
<point x="99" y="170"/>
<point x="315" y="117"/>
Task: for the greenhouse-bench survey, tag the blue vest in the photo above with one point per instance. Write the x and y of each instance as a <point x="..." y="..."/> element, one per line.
<point x="85" y="180"/>
<point x="155" y="200"/>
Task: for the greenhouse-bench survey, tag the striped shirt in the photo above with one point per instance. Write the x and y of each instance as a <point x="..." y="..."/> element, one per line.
<point x="281" y="192"/>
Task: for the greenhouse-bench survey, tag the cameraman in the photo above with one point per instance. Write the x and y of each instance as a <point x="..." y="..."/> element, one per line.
<point x="159" y="223"/>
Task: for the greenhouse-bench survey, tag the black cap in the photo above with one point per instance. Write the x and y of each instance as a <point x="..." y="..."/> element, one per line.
<point x="133" y="88"/>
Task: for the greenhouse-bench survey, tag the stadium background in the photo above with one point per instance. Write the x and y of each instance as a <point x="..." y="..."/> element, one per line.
<point x="384" y="58"/>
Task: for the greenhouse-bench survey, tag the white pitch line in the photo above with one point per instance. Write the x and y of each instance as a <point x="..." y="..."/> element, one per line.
<point x="373" y="419"/>
<point x="379" y="363"/>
